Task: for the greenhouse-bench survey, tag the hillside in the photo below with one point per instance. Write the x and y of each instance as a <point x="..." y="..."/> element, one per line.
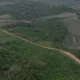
<point x="33" y="9"/>
<point x="50" y="32"/>
<point x="39" y="40"/>
<point x="21" y="60"/>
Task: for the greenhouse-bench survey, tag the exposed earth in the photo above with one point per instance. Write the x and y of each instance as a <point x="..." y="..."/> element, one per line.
<point x="73" y="26"/>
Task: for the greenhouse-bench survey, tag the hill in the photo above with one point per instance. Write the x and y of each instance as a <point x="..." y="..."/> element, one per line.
<point x="33" y="9"/>
<point x="35" y="51"/>
<point x="21" y="60"/>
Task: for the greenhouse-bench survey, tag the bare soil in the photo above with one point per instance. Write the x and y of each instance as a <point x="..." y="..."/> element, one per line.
<point x="63" y="15"/>
<point x="4" y="20"/>
<point x="73" y="26"/>
<point x="4" y="16"/>
<point x="76" y="6"/>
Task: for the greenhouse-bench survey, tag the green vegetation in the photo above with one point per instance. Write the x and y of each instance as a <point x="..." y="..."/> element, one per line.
<point x="22" y="61"/>
<point x="52" y="31"/>
<point x="5" y="37"/>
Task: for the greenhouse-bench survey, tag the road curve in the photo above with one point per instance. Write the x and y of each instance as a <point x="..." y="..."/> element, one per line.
<point x="66" y="53"/>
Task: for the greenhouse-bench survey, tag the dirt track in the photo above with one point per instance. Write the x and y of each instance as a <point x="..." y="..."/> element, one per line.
<point x="68" y="54"/>
<point x="9" y="22"/>
<point x="63" y="15"/>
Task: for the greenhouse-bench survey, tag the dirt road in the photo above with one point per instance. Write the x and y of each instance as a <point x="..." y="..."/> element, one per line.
<point x="9" y="22"/>
<point x="63" y="15"/>
<point x="68" y="54"/>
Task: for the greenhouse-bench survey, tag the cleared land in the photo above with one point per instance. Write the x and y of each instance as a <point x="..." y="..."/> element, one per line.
<point x="8" y="20"/>
<point x="4" y="16"/>
<point x="63" y="15"/>
<point x="76" y="6"/>
<point x="73" y="26"/>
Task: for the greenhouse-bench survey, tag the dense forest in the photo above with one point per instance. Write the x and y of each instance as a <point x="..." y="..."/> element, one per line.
<point x="33" y="9"/>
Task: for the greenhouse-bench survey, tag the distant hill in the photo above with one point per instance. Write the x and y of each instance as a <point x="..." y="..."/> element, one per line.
<point x="32" y="9"/>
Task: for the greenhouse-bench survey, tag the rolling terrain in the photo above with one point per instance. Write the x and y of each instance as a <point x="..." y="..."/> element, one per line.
<point x="38" y="62"/>
<point x="39" y="41"/>
<point x="72" y="57"/>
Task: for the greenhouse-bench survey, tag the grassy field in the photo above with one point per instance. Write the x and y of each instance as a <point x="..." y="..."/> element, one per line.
<point x="22" y="61"/>
<point x="49" y="31"/>
<point x="73" y="39"/>
<point x="76" y="6"/>
<point x="5" y="37"/>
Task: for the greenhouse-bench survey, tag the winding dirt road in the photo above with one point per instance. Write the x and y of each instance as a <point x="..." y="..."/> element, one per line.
<point x="68" y="54"/>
